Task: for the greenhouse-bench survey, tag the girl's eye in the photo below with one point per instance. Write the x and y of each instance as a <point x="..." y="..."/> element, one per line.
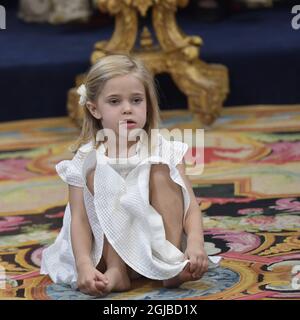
<point x="114" y="101"/>
<point x="137" y="100"/>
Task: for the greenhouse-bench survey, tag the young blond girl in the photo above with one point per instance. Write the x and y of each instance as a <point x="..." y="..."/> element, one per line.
<point x="125" y="219"/>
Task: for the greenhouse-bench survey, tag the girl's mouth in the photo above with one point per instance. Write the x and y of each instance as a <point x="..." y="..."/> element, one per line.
<point x="129" y="123"/>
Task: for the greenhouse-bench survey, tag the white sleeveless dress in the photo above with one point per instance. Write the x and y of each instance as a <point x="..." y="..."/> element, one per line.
<point x="121" y="211"/>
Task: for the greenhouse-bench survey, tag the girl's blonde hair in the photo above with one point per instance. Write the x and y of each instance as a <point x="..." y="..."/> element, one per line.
<point x="105" y="69"/>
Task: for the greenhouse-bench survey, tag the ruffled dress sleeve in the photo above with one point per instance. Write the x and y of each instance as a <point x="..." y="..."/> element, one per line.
<point x="177" y="152"/>
<point x="70" y="171"/>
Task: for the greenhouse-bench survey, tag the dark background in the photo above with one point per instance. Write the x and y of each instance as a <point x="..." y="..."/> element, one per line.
<point x="39" y="62"/>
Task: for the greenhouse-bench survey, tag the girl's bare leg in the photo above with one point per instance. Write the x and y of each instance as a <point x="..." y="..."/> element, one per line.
<point x="116" y="270"/>
<point x="166" y="197"/>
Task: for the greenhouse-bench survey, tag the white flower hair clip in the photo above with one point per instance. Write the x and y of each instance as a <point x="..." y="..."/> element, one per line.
<point x="82" y="92"/>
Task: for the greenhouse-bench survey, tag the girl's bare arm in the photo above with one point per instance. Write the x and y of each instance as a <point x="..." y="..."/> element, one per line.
<point x="81" y="234"/>
<point x="90" y="280"/>
<point x="193" y="225"/>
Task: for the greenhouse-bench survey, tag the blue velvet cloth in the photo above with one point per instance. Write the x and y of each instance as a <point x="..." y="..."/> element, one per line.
<point x="39" y="62"/>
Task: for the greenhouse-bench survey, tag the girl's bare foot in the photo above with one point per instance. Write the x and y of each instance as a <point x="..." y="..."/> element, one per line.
<point x="184" y="276"/>
<point x="118" y="281"/>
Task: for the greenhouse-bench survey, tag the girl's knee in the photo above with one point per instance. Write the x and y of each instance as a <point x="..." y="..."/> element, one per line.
<point x="159" y="173"/>
<point x="160" y="168"/>
<point x="160" y="179"/>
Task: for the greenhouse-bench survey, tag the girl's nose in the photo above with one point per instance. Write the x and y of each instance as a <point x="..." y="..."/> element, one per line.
<point x="127" y="107"/>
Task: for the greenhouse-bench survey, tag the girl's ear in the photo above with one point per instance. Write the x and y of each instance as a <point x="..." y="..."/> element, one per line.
<point x="93" y="110"/>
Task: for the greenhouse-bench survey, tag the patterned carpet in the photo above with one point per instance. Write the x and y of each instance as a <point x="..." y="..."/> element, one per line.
<point x="249" y="193"/>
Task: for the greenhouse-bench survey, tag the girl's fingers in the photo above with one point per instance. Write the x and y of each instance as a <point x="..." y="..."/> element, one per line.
<point x="202" y="267"/>
<point x="100" y="276"/>
<point x="193" y="265"/>
<point x="90" y="288"/>
<point x="94" y="291"/>
<point x="100" y="285"/>
<point x="93" y="284"/>
<point x="197" y="273"/>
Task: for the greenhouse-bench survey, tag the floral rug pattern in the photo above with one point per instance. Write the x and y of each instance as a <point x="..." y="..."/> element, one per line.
<point x="249" y="193"/>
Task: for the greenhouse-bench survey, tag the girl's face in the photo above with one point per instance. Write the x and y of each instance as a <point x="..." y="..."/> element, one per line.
<point x="122" y="102"/>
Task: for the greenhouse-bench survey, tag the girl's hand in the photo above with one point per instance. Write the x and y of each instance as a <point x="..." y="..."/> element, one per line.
<point x="90" y="280"/>
<point x="198" y="259"/>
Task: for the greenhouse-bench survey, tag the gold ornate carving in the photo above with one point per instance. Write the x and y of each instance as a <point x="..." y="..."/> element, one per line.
<point x="205" y="85"/>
